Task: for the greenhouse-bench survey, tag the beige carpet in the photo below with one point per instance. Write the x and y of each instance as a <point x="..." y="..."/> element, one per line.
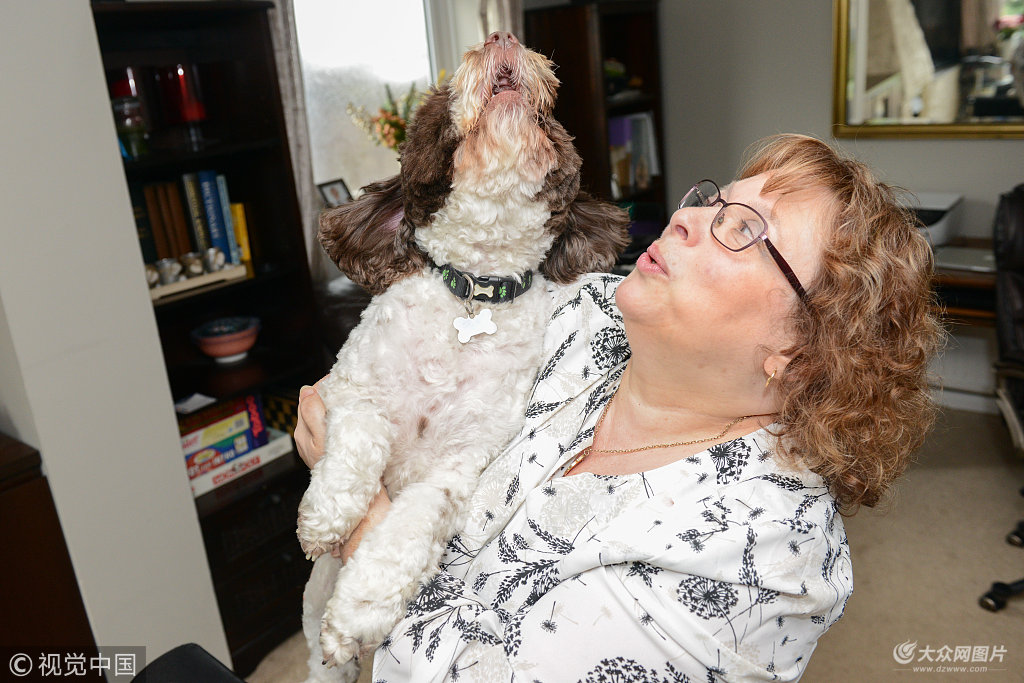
<point x="919" y="568"/>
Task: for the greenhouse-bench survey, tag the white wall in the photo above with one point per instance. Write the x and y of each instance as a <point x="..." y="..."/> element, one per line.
<point x="735" y="71"/>
<point x="81" y="372"/>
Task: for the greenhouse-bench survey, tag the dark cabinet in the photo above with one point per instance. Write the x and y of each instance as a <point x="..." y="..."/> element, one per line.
<point x="257" y="566"/>
<point x="42" y="606"/>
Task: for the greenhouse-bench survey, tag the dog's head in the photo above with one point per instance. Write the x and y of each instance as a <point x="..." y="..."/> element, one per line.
<point x="493" y="122"/>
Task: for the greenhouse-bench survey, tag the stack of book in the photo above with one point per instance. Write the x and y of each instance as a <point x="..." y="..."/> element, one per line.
<point x="227" y="440"/>
<point x="192" y="214"/>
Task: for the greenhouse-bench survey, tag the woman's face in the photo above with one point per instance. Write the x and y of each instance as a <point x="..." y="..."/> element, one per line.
<point x="698" y="296"/>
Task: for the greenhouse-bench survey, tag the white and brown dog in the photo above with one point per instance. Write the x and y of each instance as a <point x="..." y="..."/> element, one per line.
<point x="461" y="251"/>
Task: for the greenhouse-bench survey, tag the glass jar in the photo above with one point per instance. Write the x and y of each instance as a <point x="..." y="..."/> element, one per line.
<point x="132" y="133"/>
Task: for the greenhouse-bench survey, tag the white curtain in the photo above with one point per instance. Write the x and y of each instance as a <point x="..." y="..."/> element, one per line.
<point x="293" y="101"/>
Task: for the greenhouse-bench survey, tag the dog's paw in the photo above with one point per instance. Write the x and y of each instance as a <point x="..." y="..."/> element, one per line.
<point x="314" y="535"/>
<point x="337" y="647"/>
<point x="315" y="548"/>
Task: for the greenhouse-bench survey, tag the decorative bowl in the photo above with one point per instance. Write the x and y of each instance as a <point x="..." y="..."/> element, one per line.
<point x="227" y="340"/>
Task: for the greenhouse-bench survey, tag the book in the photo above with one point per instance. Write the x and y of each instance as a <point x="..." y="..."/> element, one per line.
<point x="221" y="433"/>
<point x="161" y="243"/>
<point x="216" y="432"/>
<point x="279" y="444"/>
<point x="229" y="223"/>
<point x="210" y="192"/>
<point x="195" y="212"/>
<point x="241" y="231"/>
<point x="250" y="404"/>
<point x="178" y="229"/>
<point x="143" y="229"/>
<point x="214" y="455"/>
<point x="164" y="201"/>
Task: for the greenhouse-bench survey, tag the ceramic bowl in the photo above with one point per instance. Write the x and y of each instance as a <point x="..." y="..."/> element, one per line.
<point x="227" y="340"/>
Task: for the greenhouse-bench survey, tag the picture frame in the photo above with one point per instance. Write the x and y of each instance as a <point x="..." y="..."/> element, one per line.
<point x="335" y="192"/>
<point x="858" y="96"/>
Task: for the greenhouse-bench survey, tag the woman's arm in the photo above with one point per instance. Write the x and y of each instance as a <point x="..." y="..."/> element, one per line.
<point x="309" y="435"/>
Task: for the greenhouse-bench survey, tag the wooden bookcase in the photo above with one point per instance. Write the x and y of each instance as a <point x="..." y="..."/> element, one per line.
<point x="579" y="38"/>
<point x="248" y="525"/>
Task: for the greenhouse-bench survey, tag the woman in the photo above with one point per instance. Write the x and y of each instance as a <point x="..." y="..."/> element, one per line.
<point x="671" y="508"/>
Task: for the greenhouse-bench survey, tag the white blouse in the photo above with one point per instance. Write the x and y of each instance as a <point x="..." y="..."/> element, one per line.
<point x="723" y="566"/>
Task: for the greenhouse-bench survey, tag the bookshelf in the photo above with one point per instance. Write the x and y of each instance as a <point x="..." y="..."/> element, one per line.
<point x="595" y="106"/>
<point x="248" y="525"/>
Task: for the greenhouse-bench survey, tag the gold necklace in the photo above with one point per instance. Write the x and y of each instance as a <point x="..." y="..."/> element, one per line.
<point x="590" y="449"/>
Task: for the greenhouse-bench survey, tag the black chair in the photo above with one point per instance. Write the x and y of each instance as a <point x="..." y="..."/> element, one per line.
<point x="1008" y="243"/>
<point x="186" y="664"/>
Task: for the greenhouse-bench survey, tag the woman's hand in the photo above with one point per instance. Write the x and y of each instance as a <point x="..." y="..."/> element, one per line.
<point x="311" y="425"/>
<point x="379" y="507"/>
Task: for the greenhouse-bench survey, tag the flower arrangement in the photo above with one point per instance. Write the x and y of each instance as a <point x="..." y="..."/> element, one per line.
<point x="387" y="126"/>
<point x="1008" y="24"/>
<point x="1011" y="19"/>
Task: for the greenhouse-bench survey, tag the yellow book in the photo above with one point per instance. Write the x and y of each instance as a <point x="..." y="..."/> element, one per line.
<point x="241" y="230"/>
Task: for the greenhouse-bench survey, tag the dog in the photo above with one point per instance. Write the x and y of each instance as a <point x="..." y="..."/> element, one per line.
<point x="461" y="251"/>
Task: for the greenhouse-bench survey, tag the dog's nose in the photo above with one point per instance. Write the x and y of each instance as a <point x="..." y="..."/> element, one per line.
<point x="502" y="39"/>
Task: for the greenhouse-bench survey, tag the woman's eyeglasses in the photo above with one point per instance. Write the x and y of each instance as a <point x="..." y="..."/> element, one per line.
<point x="738" y="226"/>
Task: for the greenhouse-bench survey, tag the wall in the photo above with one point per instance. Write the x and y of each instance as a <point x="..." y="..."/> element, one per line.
<point x="81" y="372"/>
<point x="769" y="70"/>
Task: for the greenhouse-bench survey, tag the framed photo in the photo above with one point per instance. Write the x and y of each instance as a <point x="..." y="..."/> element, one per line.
<point x="335" y="193"/>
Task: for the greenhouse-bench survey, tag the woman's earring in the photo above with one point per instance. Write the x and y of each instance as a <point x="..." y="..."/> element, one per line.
<point x="770" y="378"/>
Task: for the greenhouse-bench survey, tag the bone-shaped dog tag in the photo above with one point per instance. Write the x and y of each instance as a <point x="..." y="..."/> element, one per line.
<point x="478" y="324"/>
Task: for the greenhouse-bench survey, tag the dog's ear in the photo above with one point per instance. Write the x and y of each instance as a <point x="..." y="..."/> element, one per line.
<point x="589" y="236"/>
<point x="427" y="157"/>
<point x="370" y="239"/>
<point x="589" y="233"/>
<point x="562" y="182"/>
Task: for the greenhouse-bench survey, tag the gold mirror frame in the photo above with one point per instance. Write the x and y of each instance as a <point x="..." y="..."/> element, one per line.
<point x="840" y="128"/>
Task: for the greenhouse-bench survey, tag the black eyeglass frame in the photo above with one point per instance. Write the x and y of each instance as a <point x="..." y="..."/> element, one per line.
<point x="763" y="236"/>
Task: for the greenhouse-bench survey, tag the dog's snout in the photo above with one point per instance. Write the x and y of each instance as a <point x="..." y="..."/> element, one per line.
<point x="502" y="39"/>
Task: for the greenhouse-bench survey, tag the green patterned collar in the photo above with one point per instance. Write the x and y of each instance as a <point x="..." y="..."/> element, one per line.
<point x="491" y="288"/>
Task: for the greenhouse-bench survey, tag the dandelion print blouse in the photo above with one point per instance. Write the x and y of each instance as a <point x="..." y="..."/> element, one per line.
<point x="723" y="566"/>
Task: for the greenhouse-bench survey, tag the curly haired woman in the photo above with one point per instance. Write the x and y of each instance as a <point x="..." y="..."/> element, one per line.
<point x="672" y="509"/>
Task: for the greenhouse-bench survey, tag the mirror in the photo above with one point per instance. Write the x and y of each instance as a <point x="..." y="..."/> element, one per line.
<point x="920" y="68"/>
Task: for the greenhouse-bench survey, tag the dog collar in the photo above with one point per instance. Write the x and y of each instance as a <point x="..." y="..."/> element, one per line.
<point x="492" y="288"/>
